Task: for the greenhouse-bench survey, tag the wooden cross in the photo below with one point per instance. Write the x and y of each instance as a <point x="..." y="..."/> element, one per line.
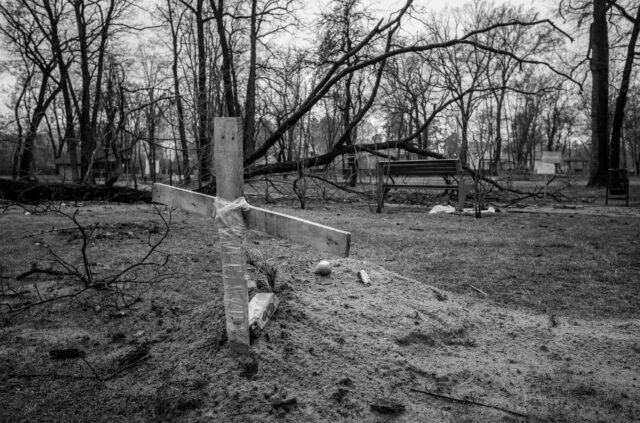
<point x="242" y="315"/>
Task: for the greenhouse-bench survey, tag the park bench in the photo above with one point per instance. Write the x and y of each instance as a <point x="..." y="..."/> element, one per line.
<point x="389" y="171"/>
<point x="617" y="186"/>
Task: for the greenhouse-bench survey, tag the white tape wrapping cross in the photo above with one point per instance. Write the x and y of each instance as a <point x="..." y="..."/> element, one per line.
<point x="231" y="229"/>
<point x="227" y="218"/>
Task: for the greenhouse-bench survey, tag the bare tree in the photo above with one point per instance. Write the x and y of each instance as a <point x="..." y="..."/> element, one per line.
<point x="632" y="128"/>
<point x="599" y="94"/>
<point x="339" y="69"/>
<point x="621" y="100"/>
<point x="173" y="18"/>
<point x="412" y="89"/>
<point x="462" y="68"/>
<point x="503" y="69"/>
<point x="606" y="17"/>
<point x="23" y="32"/>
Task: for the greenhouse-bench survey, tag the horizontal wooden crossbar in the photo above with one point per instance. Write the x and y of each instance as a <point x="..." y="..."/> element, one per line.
<point x="294" y="229"/>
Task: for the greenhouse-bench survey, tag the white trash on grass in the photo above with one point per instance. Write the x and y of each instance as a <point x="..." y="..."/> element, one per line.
<point x="451" y="209"/>
<point x="442" y="209"/>
<point x="472" y="211"/>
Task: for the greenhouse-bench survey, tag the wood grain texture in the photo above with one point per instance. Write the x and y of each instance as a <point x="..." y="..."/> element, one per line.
<point x="179" y="198"/>
<point x="236" y="296"/>
<point x="321" y="237"/>
<point x="229" y="183"/>
<point x="227" y="156"/>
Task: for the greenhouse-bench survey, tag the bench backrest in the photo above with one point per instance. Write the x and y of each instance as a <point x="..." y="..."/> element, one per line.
<point x="435" y="167"/>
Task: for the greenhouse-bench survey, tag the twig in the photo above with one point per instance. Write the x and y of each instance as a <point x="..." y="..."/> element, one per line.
<point x="469" y="402"/>
<point x="95" y="373"/>
<point x="37" y="271"/>
<point x="49" y="300"/>
<point x="35" y="286"/>
<point x="479" y="291"/>
<point x="85" y="273"/>
<point x="51" y="375"/>
<point x="92" y="369"/>
<point x="143" y="261"/>
<point x="122" y="369"/>
<point x="274" y="186"/>
<point x="440" y="295"/>
<point x="14" y="294"/>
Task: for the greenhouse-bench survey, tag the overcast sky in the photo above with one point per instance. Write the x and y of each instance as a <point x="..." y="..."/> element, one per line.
<point x="380" y="8"/>
<point x="383" y="8"/>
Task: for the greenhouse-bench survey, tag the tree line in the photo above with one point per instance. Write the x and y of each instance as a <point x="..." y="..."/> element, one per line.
<point x="128" y="81"/>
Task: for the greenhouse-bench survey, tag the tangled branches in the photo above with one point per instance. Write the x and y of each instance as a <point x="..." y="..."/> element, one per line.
<point x="127" y="283"/>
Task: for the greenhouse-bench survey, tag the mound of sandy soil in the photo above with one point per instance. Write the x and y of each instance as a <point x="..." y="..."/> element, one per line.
<point x="336" y="350"/>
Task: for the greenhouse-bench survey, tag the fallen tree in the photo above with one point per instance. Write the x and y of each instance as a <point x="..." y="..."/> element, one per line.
<point x="34" y="192"/>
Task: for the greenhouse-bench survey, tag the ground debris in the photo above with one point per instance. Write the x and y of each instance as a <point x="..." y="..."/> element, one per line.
<point x="286" y="404"/>
<point x="507" y="369"/>
<point x="387" y="406"/>
<point x="364" y="278"/>
<point x="170" y="402"/>
<point x="347" y="381"/>
<point x="134" y="355"/>
<point x="468" y="402"/>
<point x="66" y="354"/>
<point x="249" y="368"/>
<point x="339" y="394"/>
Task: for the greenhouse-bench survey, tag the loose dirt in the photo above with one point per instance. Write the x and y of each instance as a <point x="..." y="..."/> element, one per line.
<point x="497" y="318"/>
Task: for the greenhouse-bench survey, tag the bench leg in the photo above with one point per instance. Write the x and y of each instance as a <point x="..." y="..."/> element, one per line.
<point x="380" y="202"/>
<point x="626" y="188"/>
<point x="463" y="190"/>
<point x="380" y="191"/>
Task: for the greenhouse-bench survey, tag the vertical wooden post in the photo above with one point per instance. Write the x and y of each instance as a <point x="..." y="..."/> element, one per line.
<point x="379" y="188"/>
<point x="229" y="186"/>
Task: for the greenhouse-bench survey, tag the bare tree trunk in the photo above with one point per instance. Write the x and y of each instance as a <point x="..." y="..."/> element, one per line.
<point x="600" y="94"/>
<point x="205" y="143"/>
<point x="250" y="103"/>
<point x="179" y="107"/>
<point x="151" y="124"/>
<point x="497" y="155"/>
<point x="87" y="141"/>
<point x="621" y="101"/>
<point x="25" y="165"/>
<point x="464" y="144"/>
<point x="20" y="132"/>
<point x="65" y="85"/>
<point x="15" y="161"/>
